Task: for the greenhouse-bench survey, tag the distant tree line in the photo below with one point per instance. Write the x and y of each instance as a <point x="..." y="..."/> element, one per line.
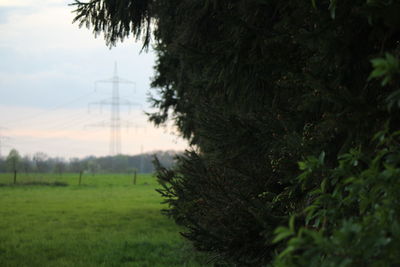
<point x="42" y="163"/>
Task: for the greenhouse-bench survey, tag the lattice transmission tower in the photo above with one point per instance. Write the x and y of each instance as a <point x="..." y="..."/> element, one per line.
<point x="115" y="102"/>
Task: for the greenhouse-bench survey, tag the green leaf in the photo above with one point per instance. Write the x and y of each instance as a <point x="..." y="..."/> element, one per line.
<point x="385" y="68"/>
<point x="291" y="222"/>
<point x="349" y="180"/>
<point x="288" y="250"/>
<point x="281" y="236"/>
<point x="323" y="184"/>
<point x="310" y="208"/>
<point x="332" y="8"/>
<point x="317" y="191"/>
<point x="302" y="165"/>
<point x="321" y="158"/>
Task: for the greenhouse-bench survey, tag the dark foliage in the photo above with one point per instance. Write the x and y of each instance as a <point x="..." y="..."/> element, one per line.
<point x="117" y="19"/>
<point x="256" y="87"/>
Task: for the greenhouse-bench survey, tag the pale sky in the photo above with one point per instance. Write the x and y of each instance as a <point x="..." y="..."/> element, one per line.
<point x="48" y="70"/>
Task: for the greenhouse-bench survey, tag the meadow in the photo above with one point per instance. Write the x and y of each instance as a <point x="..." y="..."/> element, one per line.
<point x="51" y="220"/>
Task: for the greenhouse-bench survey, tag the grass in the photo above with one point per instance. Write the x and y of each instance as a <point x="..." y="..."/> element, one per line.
<point x="106" y="221"/>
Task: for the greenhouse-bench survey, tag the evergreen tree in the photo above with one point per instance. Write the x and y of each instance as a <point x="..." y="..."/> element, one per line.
<point x="256" y="87"/>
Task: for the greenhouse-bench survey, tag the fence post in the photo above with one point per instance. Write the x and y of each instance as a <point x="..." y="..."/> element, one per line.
<point x="134" y="177"/>
<point x="15" y="176"/>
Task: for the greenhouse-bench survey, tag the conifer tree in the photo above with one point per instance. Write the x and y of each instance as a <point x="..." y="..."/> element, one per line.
<point x="256" y="87"/>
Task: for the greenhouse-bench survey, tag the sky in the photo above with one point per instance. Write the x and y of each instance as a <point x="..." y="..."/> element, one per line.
<point x="49" y="98"/>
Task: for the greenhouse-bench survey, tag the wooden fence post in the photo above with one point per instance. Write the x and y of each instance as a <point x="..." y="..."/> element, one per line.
<point x="15" y="176"/>
<point x="134" y="177"/>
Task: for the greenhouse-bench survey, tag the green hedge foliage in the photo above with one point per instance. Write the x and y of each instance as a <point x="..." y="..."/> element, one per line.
<point x="353" y="216"/>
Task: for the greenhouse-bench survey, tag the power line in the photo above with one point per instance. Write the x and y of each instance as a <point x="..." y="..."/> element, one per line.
<point x="2" y="139"/>
<point x="40" y="114"/>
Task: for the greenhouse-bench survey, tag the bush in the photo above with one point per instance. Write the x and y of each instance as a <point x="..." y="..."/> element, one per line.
<point x="353" y="216"/>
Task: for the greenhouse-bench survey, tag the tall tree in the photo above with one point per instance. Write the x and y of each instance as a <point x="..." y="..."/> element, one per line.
<point x="13" y="160"/>
<point x="256" y="87"/>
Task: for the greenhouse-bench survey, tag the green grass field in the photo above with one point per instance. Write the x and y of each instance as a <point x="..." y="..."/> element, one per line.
<point x="106" y="221"/>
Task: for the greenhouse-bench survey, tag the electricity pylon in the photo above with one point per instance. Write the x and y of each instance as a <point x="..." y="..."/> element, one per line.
<point x="115" y="102"/>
